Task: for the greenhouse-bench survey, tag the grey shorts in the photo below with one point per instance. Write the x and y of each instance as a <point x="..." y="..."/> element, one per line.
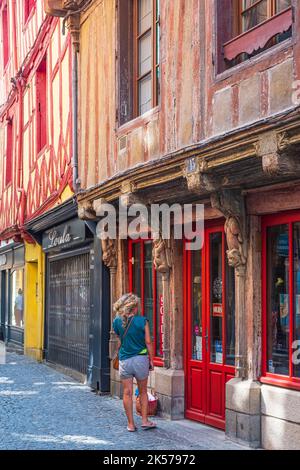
<point x="137" y="366"/>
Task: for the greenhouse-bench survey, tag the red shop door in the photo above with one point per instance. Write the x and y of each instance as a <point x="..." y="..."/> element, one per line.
<point x="209" y="329"/>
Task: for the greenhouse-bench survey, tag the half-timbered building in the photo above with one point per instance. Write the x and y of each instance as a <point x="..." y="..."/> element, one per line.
<point x="195" y="101"/>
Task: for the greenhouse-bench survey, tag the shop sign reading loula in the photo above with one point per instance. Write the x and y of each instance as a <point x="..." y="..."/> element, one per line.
<point x="64" y="235"/>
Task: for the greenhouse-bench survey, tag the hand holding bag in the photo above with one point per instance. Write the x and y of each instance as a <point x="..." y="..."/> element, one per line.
<point x="115" y="359"/>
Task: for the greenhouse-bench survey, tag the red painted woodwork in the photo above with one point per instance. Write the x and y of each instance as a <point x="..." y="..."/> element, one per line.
<point x="131" y="243"/>
<point x="5" y="35"/>
<point x="269" y="378"/>
<point x="205" y="380"/>
<point x="28" y="7"/>
<point x="9" y="153"/>
<point x="41" y="148"/>
<point x="257" y="37"/>
<point x="41" y="105"/>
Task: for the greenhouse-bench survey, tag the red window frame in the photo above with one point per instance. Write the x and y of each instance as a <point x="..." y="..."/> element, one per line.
<point x="267" y="377"/>
<point x="5" y="34"/>
<point x="41" y="106"/>
<point x="155" y="62"/>
<point x="158" y="361"/>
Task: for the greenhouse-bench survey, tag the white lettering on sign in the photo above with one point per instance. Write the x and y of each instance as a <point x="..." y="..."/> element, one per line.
<point x="56" y="239"/>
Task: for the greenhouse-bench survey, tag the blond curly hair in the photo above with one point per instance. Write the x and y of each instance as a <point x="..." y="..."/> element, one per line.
<point x="125" y="305"/>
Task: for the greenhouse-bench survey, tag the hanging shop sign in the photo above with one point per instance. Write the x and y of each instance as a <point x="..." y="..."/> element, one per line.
<point x="217" y="310"/>
<point x="63" y="236"/>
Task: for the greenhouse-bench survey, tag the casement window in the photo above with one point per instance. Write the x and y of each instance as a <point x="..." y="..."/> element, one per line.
<point x="281" y="300"/>
<point x="28" y="6"/>
<point x="248" y="27"/>
<point x="41" y="105"/>
<point x="9" y="152"/>
<point x="5" y="34"/>
<point x="139" y="71"/>
<point x="146" y="283"/>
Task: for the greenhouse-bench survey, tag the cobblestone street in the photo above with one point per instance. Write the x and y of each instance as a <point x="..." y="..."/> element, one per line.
<point x="43" y="409"/>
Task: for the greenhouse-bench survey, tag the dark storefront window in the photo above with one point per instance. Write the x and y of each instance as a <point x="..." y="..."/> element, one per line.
<point x="17" y="298"/>
<point x="278" y="296"/>
<point x="146" y="283"/>
<point x="230" y="316"/>
<point x="281" y="291"/>
<point x="296" y="275"/>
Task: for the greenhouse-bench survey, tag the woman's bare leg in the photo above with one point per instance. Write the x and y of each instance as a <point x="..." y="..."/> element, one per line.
<point x="127" y="401"/>
<point x="142" y="385"/>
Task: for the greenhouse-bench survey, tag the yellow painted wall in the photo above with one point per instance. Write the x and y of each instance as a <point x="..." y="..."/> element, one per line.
<point x="34" y="301"/>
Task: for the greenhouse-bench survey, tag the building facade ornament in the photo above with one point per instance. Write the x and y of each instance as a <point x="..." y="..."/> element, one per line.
<point x="198" y="178"/>
<point x="86" y="210"/>
<point x="279" y="155"/>
<point x="231" y="204"/>
<point x="161" y="254"/>
<point x="109" y="253"/>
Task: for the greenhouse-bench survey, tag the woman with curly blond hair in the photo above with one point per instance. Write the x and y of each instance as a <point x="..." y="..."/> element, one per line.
<point x="135" y="355"/>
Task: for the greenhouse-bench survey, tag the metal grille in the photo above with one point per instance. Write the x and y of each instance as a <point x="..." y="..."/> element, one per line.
<point x="69" y="312"/>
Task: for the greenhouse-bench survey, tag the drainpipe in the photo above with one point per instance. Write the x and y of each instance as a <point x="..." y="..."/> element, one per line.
<point x="72" y="19"/>
<point x="76" y="182"/>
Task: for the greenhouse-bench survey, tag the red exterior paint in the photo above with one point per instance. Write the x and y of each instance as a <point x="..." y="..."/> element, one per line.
<point x="269" y="221"/>
<point x="157" y="360"/>
<point x="41" y="146"/>
<point x="5" y="33"/>
<point x="205" y="381"/>
<point x="258" y="36"/>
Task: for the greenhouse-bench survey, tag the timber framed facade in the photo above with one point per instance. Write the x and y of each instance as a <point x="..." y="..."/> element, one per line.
<point x="226" y="136"/>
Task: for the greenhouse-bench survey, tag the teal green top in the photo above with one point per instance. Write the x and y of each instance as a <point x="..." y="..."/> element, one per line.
<point x="134" y="342"/>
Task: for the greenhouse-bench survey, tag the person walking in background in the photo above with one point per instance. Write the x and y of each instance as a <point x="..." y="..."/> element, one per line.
<point x="135" y="356"/>
<point x="19" y="308"/>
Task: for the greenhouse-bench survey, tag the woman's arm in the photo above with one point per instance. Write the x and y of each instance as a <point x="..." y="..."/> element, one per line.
<point x="149" y="344"/>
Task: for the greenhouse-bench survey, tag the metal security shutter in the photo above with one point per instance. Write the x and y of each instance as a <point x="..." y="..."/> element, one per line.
<point x="69" y="312"/>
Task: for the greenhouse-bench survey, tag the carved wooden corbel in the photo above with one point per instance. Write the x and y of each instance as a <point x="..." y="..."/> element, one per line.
<point x="161" y="254"/>
<point x="231" y="204"/>
<point x="198" y="177"/>
<point x="86" y="211"/>
<point x="128" y="188"/>
<point x="279" y="156"/>
<point x="109" y="252"/>
<point x="98" y="206"/>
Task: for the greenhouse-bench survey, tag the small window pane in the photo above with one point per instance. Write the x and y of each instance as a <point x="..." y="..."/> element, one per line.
<point x="255" y="15"/>
<point x="144" y="15"/>
<point x="216" y="294"/>
<point x="145" y="54"/>
<point x="278" y="299"/>
<point x="297" y="299"/>
<point x="159" y="315"/>
<point x="230" y="316"/>
<point x="136" y="252"/>
<point x="145" y="94"/>
<point x="282" y="5"/>
<point x="196" y="306"/>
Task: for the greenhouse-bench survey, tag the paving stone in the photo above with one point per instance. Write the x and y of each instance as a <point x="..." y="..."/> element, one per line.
<point x="42" y="409"/>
